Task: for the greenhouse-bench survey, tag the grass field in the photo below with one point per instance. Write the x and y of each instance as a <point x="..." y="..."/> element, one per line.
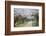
<point x="26" y="23"/>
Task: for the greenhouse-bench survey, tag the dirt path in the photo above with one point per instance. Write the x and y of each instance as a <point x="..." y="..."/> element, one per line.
<point x="26" y="24"/>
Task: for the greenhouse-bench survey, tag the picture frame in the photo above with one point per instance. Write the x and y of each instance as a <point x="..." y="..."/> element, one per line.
<point x="17" y="6"/>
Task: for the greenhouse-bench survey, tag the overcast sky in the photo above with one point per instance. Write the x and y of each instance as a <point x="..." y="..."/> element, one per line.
<point x="24" y="11"/>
